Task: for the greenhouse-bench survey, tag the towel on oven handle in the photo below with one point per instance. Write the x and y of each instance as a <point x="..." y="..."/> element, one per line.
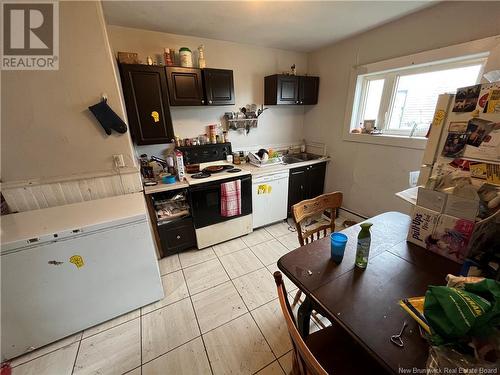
<point x="230" y="201"/>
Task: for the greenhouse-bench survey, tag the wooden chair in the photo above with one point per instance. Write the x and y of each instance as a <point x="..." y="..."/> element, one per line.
<point x="327" y="351"/>
<point x="310" y="208"/>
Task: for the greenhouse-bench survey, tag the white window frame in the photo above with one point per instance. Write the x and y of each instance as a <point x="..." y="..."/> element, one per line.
<point x="391" y="79"/>
<point x="445" y="58"/>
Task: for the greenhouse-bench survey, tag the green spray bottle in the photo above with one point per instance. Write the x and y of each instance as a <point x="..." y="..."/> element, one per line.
<point x="363" y="249"/>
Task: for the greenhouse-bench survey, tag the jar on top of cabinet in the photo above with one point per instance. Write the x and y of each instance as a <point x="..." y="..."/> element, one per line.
<point x="186" y="57"/>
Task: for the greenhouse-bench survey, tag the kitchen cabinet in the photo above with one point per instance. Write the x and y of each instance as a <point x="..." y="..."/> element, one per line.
<point x="305" y="183"/>
<point x="292" y="90"/>
<point x="146" y="98"/>
<point x="308" y="90"/>
<point x="175" y="233"/>
<point x="316" y="180"/>
<point x="177" y="236"/>
<point x="281" y="89"/>
<point x="185" y="86"/>
<point x="218" y="86"/>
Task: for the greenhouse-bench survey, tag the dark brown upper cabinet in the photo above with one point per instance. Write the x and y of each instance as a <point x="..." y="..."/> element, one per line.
<point x="286" y="89"/>
<point x="281" y="89"/>
<point x="219" y="86"/>
<point x="308" y="90"/>
<point x="185" y="86"/>
<point x="146" y="98"/>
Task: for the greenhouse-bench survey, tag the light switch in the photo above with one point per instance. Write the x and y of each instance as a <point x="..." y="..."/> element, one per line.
<point x="118" y="160"/>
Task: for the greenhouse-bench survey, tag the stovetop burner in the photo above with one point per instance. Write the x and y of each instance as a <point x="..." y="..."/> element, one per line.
<point x="221" y="168"/>
<point x="233" y="170"/>
<point x="200" y="175"/>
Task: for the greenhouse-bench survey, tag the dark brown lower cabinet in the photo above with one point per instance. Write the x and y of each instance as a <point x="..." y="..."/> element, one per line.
<point x="177" y="236"/>
<point x="305" y="183"/>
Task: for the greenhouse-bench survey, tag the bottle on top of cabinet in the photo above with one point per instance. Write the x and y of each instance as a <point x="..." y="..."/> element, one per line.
<point x="168" y="56"/>
<point x="201" y="57"/>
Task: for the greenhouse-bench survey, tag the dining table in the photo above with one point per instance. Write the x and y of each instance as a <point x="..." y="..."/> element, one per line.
<point x="364" y="302"/>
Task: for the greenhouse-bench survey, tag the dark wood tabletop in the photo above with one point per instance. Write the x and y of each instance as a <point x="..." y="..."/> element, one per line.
<point x="365" y="302"/>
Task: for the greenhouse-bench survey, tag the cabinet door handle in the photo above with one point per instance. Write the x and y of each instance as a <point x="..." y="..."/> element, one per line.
<point x="301" y="187"/>
<point x="178" y="237"/>
<point x="209" y="102"/>
<point x="301" y="102"/>
<point x="202" y="101"/>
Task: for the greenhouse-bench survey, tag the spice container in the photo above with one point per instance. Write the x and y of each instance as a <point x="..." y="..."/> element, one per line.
<point x="186" y="57"/>
<point x="167" y="57"/>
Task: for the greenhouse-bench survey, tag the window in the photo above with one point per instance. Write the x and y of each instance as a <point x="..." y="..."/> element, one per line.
<point x="402" y="101"/>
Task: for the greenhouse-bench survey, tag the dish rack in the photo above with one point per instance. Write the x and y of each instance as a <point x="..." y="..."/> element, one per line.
<point x="255" y="160"/>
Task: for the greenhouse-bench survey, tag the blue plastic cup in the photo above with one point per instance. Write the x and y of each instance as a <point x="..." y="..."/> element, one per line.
<point x="338" y="242"/>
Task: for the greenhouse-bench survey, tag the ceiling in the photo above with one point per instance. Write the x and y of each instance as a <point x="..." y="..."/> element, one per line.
<point x="298" y="26"/>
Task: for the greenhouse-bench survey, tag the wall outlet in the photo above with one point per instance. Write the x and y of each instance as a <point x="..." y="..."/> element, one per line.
<point x="118" y="160"/>
<point x="414" y="178"/>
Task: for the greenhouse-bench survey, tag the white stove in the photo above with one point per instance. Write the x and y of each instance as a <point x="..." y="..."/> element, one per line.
<point x="211" y="227"/>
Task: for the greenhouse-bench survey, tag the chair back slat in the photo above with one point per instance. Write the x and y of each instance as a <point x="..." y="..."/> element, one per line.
<point x="303" y="361"/>
<point x="312" y="207"/>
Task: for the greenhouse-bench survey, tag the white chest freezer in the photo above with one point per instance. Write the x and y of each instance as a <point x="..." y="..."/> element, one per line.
<point x="67" y="268"/>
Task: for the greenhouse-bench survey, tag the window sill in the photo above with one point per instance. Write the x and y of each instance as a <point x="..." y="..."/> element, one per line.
<point x="417" y="143"/>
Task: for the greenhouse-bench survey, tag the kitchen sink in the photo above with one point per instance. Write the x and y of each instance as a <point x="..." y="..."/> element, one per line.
<point x="298" y="158"/>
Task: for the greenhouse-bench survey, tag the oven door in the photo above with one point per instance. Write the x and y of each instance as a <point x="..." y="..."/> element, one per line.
<point x="205" y="201"/>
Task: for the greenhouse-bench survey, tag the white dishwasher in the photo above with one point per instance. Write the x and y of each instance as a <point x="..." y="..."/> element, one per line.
<point x="269" y="198"/>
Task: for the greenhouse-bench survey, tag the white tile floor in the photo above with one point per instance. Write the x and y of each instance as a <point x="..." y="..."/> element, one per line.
<point x="220" y="315"/>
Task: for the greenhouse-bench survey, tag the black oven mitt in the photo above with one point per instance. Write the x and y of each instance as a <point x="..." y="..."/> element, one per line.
<point x="108" y="119"/>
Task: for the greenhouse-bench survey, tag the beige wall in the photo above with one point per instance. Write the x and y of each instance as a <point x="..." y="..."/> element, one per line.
<point x="368" y="174"/>
<point x="249" y="63"/>
<point x="47" y="130"/>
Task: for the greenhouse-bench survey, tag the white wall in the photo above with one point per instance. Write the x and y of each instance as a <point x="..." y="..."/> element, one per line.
<point x="368" y="174"/>
<point x="47" y="130"/>
<point x="250" y="65"/>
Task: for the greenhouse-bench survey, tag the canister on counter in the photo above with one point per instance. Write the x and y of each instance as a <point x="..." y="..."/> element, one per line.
<point x="236" y="158"/>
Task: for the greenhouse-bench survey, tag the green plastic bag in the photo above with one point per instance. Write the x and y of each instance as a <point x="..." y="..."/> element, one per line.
<point x="454" y="315"/>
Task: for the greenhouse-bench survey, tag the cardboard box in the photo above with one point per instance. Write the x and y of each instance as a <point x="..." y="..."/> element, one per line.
<point x="431" y="199"/>
<point x="423" y="222"/>
<point x="462" y="208"/>
<point x="450" y="237"/>
<point x="453" y="237"/>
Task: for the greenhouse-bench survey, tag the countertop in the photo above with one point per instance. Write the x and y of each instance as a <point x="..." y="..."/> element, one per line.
<point x="261" y="171"/>
<point x="165" y="187"/>
<point x="255" y="171"/>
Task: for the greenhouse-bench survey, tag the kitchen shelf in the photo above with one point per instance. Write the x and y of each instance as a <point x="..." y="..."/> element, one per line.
<point x="242" y="123"/>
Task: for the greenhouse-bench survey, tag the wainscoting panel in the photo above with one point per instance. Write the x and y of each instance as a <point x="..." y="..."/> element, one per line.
<point x="37" y="196"/>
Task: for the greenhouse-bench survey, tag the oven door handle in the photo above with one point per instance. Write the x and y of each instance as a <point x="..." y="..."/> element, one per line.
<point x="213" y="184"/>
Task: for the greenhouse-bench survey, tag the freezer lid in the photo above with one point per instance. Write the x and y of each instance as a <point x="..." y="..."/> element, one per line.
<point x="48" y="224"/>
